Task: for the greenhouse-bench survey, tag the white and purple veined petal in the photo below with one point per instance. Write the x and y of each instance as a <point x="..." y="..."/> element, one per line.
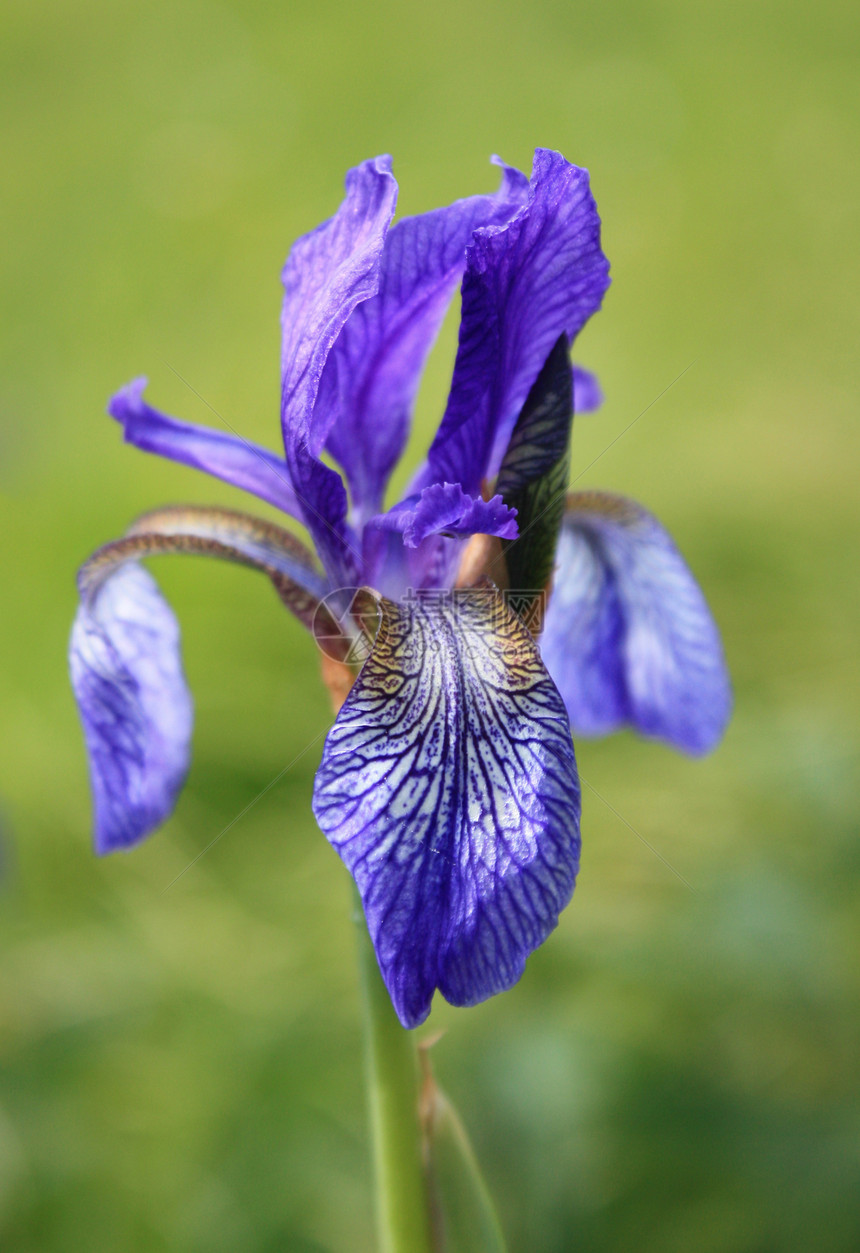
<point x="134" y="704"/>
<point x="448" y="785"/>
<point x="629" y="637"/>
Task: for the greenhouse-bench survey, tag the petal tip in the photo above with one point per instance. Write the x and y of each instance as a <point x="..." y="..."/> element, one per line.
<point x="128" y="401"/>
<point x="134" y="704"/>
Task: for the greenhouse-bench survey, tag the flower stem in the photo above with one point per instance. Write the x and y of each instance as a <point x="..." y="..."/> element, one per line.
<point x="392" y="1080"/>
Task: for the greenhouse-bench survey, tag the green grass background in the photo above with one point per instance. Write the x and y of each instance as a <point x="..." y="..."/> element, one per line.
<point x="678" y="1069"/>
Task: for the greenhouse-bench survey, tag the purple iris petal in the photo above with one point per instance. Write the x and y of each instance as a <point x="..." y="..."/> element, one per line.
<point x="125" y="663"/>
<point x="629" y="637"/>
<point x="448" y="785"/>
<point x="134" y="704"/>
<point x="446" y="508"/>
<point x="237" y="461"/>
<point x="587" y="392"/>
<point x="371" y="376"/>
<point x="328" y="272"/>
<point x="526" y="283"/>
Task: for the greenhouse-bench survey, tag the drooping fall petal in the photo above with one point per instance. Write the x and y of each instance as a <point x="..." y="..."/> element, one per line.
<point x="134" y="704"/>
<point x="448" y="785"/>
<point x="227" y="456"/>
<point x="629" y="638"/>
<point x="125" y="657"/>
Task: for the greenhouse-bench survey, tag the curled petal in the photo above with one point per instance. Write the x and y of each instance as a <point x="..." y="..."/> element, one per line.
<point x="629" y="637"/>
<point x="134" y="704"/>
<point x="448" y="785"/>
<point x="237" y="461"/>
<point x="526" y="283"/>
<point x="445" y="508"/>
<point x="125" y="660"/>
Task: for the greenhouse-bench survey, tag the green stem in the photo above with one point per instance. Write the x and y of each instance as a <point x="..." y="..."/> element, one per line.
<point x="392" y="1081"/>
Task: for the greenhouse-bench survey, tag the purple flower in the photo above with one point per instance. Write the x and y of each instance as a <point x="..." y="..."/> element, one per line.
<point x="448" y="783"/>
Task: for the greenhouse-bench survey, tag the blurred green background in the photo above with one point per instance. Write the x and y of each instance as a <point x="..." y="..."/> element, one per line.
<point x="678" y="1069"/>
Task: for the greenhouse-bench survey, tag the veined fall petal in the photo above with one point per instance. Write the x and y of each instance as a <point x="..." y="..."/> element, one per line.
<point x="448" y="785"/>
<point x="629" y="637"/>
<point x="134" y="704"/>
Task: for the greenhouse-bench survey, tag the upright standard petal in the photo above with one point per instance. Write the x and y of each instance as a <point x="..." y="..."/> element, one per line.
<point x="629" y="637"/>
<point x="533" y="476"/>
<point x="540" y="276"/>
<point x="134" y="704"/>
<point x="448" y="785"/>
<point x="229" y="457"/>
<point x="369" y="383"/>
<point x="327" y="274"/>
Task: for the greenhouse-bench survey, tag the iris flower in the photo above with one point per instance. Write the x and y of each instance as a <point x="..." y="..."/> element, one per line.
<point x="448" y="783"/>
